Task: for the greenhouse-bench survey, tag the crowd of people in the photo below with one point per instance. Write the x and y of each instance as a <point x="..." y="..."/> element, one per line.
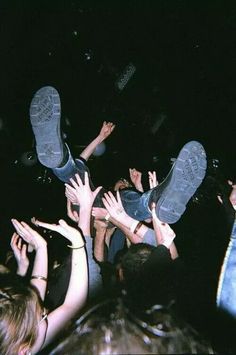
<point x="121" y="286"/>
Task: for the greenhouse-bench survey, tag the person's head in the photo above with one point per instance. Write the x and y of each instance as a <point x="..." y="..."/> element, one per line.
<point x="121" y="184"/>
<point x="20" y="314"/>
<point x="145" y="276"/>
<point x="110" y="328"/>
<point x="130" y="262"/>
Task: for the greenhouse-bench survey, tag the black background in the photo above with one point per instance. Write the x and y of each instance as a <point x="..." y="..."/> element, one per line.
<point x="184" y="53"/>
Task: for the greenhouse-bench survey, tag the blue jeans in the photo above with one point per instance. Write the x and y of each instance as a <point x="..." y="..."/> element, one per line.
<point x="134" y="202"/>
<point x="226" y="292"/>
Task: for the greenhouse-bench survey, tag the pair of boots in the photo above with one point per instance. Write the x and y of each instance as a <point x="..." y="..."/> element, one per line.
<point x="170" y="197"/>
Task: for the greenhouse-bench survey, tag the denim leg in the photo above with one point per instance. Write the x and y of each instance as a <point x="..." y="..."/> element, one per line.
<point x="79" y="167"/>
<point x="136" y="204"/>
<point x="71" y="168"/>
<point x="226" y="292"/>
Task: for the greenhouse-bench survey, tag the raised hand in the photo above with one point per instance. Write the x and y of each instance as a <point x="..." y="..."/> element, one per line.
<point x="70" y="233"/>
<point x="114" y="205"/>
<point x="20" y="252"/>
<point x="152" y="179"/>
<point x="30" y="236"/>
<point x="99" y="213"/>
<point x="164" y="233"/>
<point x="106" y="130"/>
<point x="136" y="178"/>
<point x="80" y="193"/>
<point x="71" y="196"/>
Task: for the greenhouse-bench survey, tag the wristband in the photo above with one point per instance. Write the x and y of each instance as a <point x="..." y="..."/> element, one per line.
<point x="139" y="225"/>
<point x="133" y="226"/>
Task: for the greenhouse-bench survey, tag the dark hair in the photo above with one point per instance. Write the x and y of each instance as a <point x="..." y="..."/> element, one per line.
<point x="109" y="328"/>
<point x="132" y="260"/>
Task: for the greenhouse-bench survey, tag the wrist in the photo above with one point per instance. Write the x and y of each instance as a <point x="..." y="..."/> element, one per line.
<point x="41" y="247"/>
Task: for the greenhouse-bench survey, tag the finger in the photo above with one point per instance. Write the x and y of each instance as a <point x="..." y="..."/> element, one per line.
<point x="17" y="225"/>
<point x="14" y="239"/>
<point x="69" y="187"/>
<point x="78" y="179"/>
<point x="119" y="198"/>
<point x="112" y="197"/>
<point x="74" y="183"/>
<point x="107" y="198"/>
<point x="68" y="205"/>
<point x="28" y="230"/>
<point x="63" y="223"/>
<point x="95" y="192"/>
<point x="76" y="215"/>
<point x="23" y="251"/>
<point x="106" y="204"/>
<point x="71" y="198"/>
<point x="48" y="225"/>
<point x="34" y="221"/>
<point x="26" y="226"/>
<point x="19" y="243"/>
<point x="86" y="178"/>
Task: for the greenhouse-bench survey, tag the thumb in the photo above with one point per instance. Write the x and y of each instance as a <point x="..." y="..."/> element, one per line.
<point x="62" y="223"/>
<point x="97" y="190"/>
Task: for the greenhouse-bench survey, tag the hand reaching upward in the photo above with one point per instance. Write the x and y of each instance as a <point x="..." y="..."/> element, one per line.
<point x="106" y="130"/>
<point x="80" y="193"/>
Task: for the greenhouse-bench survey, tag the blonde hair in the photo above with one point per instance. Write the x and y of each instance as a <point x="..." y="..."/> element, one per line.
<point x="20" y="311"/>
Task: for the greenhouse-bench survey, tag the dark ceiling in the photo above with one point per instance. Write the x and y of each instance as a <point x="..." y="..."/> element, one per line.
<point x="184" y="55"/>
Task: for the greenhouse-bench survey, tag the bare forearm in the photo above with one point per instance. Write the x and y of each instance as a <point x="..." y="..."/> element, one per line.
<point x="88" y="151"/>
<point x="75" y="297"/>
<point x="173" y="251"/>
<point x="78" y="285"/>
<point x="99" y="245"/>
<point x="125" y="225"/>
<point x="85" y="219"/>
<point x="40" y="270"/>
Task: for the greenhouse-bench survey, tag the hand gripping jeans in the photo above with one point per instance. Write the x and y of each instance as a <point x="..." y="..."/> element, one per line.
<point x="134" y="202"/>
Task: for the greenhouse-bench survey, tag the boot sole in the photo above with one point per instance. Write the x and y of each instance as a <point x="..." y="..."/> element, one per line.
<point x="187" y="174"/>
<point x="45" y="113"/>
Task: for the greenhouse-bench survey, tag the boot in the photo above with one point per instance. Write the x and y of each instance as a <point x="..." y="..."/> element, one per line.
<point x="185" y="176"/>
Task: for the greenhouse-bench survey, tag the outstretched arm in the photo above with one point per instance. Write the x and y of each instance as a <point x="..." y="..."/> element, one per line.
<point x="100" y="240"/>
<point x="40" y="267"/>
<point x="82" y="195"/>
<point x="76" y="294"/>
<point x="136" y="178"/>
<point x="106" y="130"/>
<point x="133" y="229"/>
<point x="164" y="234"/>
